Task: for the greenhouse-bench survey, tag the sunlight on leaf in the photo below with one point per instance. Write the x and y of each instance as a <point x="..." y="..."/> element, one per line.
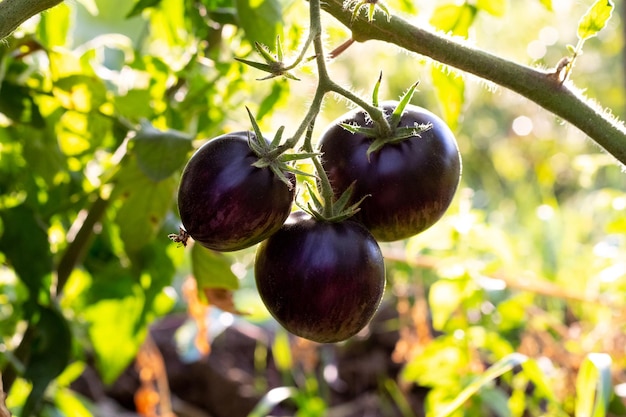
<point x="445" y="296"/>
<point x="454" y="19"/>
<point x="276" y="98"/>
<point x="261" y="20"/>
<point x="547" y="4"/>
<point x="499" y="368"/>
<point x="160" y="152"/>
<point x="496" y="8"/>
<point x="438" y="364"/>
<point x="140" y="6"/>
<point x="271" y="400"/>
<point x="116" y="326"/>
<point x="593" y="386"/>
<point x="281" y="351"/>
<point x="450" y="90"/>
<point x="595" y="19"/>
<point x="212" y="269"/>
<point x="70" y="404"/>
<point x="145" y="205"/>
<point x="55" y="25"/>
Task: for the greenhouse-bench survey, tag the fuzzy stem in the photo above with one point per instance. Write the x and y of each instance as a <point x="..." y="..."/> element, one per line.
<point x="543" y="87"/>
<point x="15" y="12"/>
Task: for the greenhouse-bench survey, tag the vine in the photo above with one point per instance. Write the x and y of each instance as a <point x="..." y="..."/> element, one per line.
<point x="547" y="88"/>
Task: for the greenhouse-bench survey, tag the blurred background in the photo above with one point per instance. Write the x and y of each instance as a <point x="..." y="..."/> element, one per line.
<point x="513" y="304"/>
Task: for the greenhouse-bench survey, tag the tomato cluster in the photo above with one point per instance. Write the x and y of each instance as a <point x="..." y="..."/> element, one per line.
<point x="322" y="278"/>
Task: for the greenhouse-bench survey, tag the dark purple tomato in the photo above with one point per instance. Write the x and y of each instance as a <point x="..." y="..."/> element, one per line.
<point x="410" y="183"/>
<point x="320" y="280"/>
<point x="226" y="203"/>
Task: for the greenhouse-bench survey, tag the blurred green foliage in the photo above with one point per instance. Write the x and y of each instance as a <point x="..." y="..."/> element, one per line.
<point x="102" y="102"/>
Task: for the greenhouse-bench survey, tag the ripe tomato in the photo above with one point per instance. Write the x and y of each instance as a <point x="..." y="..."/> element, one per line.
<point x="225" y="202"/>
<point x="320" y="280"/>
<point x="410" y="183"/>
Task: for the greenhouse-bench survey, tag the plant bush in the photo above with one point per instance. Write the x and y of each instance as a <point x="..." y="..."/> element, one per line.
<point x="512" y="304"/>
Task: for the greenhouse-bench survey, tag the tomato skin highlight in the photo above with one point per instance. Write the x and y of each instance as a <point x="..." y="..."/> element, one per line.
<point x="320" y="280"/>
<point x="409" y="184"/>
<point x="225" y="203"/>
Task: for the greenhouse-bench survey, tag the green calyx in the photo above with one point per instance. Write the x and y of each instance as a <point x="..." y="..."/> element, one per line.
<point x="273" y="62"/>
<point x="270" y="154"/>
<point x="381" y="134"/>
<point x="336" y="211"/>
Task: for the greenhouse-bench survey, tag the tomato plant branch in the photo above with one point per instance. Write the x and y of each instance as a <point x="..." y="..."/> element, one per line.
<point x="15" y="12"/>
<point x="326" y="84"/>
<point x="76" y="248"/>
<point x="543" y="87"/>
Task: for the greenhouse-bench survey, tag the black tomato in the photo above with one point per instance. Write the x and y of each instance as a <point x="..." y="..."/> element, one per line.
<point x="410" y="183"/>
<point x="320" y="280"/>
<point x="226" y="203"/>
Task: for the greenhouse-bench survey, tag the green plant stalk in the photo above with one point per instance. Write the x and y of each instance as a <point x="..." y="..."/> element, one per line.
<point x="543" y="87"/>
<point x="326" y="84"/>
<point x="15" y="12"/>
<point x="322" y="89"/>
<point x="77" y="248"/>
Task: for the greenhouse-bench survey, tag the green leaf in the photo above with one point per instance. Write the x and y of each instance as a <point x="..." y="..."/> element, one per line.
<point x="44" y="156"/>
<point x="405" y="6"/>
<point x="595" y="19"/>
<point x="54" y="26"/>
<point x="281" y="351"/>
<point x="26" y="247"/>
<point x="497" y="401"/>
<point x="140" y="6"/>
<point x="17" y="103"/>
<point x="115" y="318"/>
<point x="547" y="4"/>
<point x="50" y="349"/>
<point x="454" y="19"/>
<point x="90" y="6"/>
<point x="617" y="406"/>
<point x="145" y="204"/>
<point x="277" y="96"/>
<point x="85" y="92"/>
<point x="212" y="269"/>
<point x="494" y="7"/>
<point x="450" y="91"/>
<point x="437" y="364"/>
<point x="494" y="371"/>
<point x="445" y="296"/>
<point x="261" y="20"/>
<point x="593" y="386"/>
<point x="160" y="153"/>
<point x="540" y="380"/>
<point x="134" y="104"/>
<point x="272" y="399"/>
<point x="69" y="403"/>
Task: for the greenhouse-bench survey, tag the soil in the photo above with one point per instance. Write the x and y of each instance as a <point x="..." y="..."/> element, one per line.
<point x="229" y="381"/>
